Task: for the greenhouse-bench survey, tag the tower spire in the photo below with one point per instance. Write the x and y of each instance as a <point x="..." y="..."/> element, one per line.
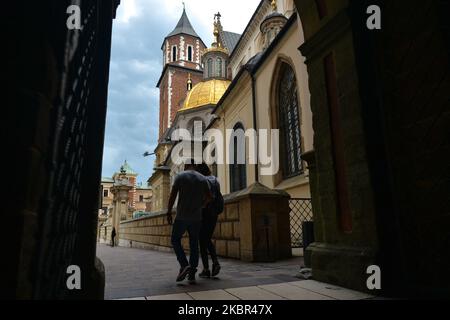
<point x="184" y="26"/>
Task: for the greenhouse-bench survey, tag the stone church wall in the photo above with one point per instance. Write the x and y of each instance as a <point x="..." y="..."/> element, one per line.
<point x="254" y="227"/>
<point x="154" y="233"/>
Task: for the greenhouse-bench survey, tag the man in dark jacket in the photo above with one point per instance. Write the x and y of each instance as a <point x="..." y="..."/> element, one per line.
<point x="209" y="221"/>
<point x="193" y="194"/>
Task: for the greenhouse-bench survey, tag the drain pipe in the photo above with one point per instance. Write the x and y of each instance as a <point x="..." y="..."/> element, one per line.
<point x="255" y="124"/>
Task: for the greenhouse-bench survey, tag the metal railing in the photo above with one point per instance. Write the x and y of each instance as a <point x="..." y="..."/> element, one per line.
<point x="301" y="211"/>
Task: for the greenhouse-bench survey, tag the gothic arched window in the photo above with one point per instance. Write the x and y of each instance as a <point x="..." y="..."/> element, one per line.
<point x="219" y="67"/>
<point x="289" y="123"/>
<point x="189" y="53"/>
<point x="210" y="67"/>
<point x="238" y="166"/>
<point x="174" y="53"/>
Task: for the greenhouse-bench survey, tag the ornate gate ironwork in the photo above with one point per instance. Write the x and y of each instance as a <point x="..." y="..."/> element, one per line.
<point x="301" y="211"/>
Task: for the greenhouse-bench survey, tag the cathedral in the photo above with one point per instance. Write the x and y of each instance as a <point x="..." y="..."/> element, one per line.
<point x="255" y="80"/>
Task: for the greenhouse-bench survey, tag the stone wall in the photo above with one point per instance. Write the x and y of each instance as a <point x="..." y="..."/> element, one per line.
<point x="379" y="113"/>
<point x="105" y="234"/>
<point x="154" y="233"/>
<point x="344" y="216"/>
<point x="55" y="96"/>
<point x="254" y="227"/>
<point x="160" y="182"/>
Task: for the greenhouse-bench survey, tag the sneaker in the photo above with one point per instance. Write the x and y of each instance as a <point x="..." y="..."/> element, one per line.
<point x="215" y="270"/>
<point x="205" y="274"/>
<point x="191" y="277"/>
<point x="183" y="273"/>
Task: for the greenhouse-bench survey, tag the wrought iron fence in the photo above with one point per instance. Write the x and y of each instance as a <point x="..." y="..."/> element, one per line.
<point x="301" y="211"/>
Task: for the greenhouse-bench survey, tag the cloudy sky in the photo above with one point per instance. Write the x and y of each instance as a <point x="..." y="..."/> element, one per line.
<point x="136" y="65"/>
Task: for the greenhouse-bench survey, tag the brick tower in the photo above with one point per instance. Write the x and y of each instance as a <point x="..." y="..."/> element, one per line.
<point x="182" y="50"/>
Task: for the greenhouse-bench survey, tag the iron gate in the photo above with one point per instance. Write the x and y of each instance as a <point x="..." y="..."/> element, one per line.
<point x="301" y="211"/>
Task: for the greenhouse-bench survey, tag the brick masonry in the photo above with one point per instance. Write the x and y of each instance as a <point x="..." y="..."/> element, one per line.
<point x="173" y="84"/>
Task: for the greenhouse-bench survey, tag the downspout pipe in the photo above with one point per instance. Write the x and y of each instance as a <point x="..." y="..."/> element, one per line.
<point x="255" y="123"/>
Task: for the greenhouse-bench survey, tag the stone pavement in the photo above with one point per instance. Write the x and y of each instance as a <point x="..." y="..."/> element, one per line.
<point x="299" y="290"/>
<point x="132" y="273"/>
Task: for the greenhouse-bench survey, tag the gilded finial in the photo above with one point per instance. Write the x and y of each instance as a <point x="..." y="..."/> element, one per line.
<point x="216" y="37"/>
<point x="274" y="5"/>
<point x="189" y="82"/>
<point x="217" y="26"/>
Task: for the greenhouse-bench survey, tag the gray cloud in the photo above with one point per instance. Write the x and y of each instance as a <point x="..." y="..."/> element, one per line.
<point x="133" y="107"/>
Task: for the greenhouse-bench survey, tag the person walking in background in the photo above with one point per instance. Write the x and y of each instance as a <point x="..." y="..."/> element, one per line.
<point x="209" y="221"/>
<point x="193" y="193"/>
<point x="113" y="237"/>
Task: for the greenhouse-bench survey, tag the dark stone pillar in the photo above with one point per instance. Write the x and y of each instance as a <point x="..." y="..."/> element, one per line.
<point x="344" y="212"/>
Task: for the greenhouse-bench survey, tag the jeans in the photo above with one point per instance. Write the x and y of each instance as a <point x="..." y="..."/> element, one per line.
<point x="179" y="229"/>
<point x="209" y="223"/>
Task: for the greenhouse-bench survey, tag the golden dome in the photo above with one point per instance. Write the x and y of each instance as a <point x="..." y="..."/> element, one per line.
<point x="205" y="93"/>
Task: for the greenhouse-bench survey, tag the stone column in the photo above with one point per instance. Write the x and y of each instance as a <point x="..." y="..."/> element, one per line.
<point x="343" y="198"/>
<point x="121" y="191"/>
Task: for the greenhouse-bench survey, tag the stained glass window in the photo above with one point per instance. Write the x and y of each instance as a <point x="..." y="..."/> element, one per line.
<point x="210" y="68"/>
<point x="289" y="123"/>
<point x="238" y="167"/>
<point x="219" y="67"/>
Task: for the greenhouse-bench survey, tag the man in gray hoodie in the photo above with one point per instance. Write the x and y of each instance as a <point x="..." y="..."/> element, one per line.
<point x="194" y="194"/>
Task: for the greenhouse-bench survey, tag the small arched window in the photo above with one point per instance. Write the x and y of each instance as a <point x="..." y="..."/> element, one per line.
<point x="174" y="53"/>
<point x="219" y="67"/>
<point x="289" y="123"/>
<point x="189" y="53"/>
<point x="238" y="166"/>
<point x="210" y="67"/>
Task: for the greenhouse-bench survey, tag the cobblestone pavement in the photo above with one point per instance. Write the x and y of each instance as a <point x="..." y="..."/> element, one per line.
<point x="132" y="273"/>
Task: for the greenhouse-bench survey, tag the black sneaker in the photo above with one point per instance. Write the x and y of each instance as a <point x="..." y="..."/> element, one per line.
<point x="215" y="270"/>
<point x="205" y="274"/>
<point x="191" y="277"/>
<point x="183" y="273"/>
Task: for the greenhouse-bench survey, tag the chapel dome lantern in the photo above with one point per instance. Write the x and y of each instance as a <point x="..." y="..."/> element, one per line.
<point x="215" y="59"/>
